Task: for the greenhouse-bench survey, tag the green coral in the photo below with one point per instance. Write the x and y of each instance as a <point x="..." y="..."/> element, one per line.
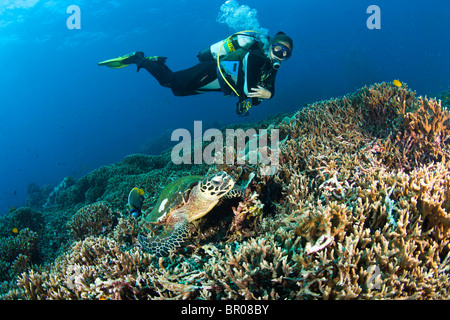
<point x="17" y="252"/>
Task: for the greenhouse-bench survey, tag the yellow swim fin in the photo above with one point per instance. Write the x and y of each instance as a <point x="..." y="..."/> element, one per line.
<point x="119" y="62"/>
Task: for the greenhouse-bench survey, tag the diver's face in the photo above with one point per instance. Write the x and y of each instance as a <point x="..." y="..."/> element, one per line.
<point x="280" y="51"/>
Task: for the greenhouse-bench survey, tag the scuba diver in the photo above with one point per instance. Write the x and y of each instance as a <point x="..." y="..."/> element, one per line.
<point x="243" y="65"/>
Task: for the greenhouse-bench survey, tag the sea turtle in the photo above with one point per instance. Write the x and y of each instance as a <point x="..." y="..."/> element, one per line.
<point x="184" y="200"/>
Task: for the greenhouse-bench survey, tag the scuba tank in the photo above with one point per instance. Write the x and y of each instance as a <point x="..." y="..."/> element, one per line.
<point x="229" y="48"/>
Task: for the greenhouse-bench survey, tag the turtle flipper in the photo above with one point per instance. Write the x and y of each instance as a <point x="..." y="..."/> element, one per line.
<point x="162" y="245"/>
<point x="239" y="191"/>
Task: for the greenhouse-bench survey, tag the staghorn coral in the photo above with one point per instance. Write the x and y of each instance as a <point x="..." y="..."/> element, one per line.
<point x="382" y="107"/>
<point x="410" y="256"/>
<point x="97" y="268"/>
<point x="254" y="270"/>
<point x="425" y="132"/>
<point x="83" y="272"/>
<point x="387" y="217"/>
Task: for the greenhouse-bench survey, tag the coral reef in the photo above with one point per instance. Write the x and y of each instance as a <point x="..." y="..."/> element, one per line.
<point x="37" y="196"/>
<point x="357" y="208"/>
<point x="20" y="241"/>
<point x="17" y="253"/>
<point x="92" y="220"/>
<point x="63" y="185"/>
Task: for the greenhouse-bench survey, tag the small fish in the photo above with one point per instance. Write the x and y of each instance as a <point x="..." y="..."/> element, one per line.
<point x="15" y="230"/>
<point x="397" y="83"/>
<point x="135" y="201"/>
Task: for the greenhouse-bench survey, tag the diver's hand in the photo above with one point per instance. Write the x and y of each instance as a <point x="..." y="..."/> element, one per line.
<point x="260" y="92"/>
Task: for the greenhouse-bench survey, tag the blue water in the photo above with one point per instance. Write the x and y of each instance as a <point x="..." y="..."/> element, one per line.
<point x="61" y="114"/>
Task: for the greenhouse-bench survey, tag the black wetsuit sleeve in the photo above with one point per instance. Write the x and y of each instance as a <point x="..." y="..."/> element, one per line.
<point x="260" y="72"/>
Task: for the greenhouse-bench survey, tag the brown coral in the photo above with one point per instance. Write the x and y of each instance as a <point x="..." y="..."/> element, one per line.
<point x="392" y="223"/>
<point x="98" y="268"/>
<point x="94" y="219"/>
<point x="425" y="132"/>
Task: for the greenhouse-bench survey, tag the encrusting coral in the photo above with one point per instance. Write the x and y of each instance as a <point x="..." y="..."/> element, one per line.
<point x="358" y="208"/>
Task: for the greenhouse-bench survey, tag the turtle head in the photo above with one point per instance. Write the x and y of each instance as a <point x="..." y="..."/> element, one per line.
<point x="217" y="185"/>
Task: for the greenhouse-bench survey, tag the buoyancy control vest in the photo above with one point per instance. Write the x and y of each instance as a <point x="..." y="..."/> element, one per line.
<point x="232" y="54"/>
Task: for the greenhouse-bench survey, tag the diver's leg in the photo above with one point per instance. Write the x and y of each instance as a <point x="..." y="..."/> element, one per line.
<point x="184" y="82"/>
<point x="192" y="80"/>
<point x="157" y="68"/>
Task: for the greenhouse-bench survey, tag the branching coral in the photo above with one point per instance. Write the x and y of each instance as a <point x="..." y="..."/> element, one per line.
<point x="370" y="257"/>
<point x="425" y="132"/>
<point x="255" y="270"/>
<point x="391" y="221"/>
<point x="95" y="268"/>
<point x="98" y="268"/>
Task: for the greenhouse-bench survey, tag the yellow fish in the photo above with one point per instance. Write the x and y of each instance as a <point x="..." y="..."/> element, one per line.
<point x="135" y="201"/>
<point x="397" y="83"/>
<point x="15" y="230"/>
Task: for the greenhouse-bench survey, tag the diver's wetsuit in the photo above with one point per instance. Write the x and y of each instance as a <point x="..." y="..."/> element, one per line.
<point x="185" y="82"/>
<point x="204" y="77"/>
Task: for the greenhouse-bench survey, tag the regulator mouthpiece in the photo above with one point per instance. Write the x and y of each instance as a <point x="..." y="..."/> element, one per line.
<point x="276" y="65"/>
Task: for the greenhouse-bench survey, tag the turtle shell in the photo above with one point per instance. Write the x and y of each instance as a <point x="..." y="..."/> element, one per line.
<point x="173" y="196"/>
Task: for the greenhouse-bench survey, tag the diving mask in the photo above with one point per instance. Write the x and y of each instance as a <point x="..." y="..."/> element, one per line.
<point x="281" y="51"/>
